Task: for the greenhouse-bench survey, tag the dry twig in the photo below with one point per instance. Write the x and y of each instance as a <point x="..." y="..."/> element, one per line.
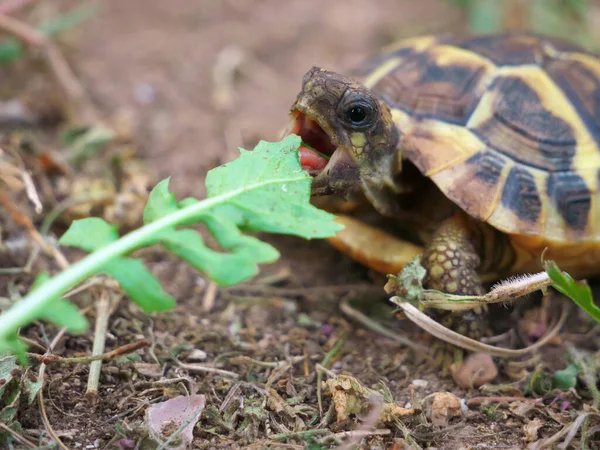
<point x="202" y="368"/>
<point x="17" y="437"/>
<point x="119" y="351"/>
<point x="372" y="325"/>
<point x="104" y="310"/>
<point x="41" y="374"/>
<point x="447" y="335"/>
<point x="22" y="219"/>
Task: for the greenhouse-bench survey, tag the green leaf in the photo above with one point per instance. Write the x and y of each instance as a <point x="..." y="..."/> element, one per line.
<point x="232" y="239"/>
<point x="143" y="287"/>
<point x="273" y="191"/>
<point x="69" y="20"/>
<point x="31" y="388"/>
<point x="8" y="367"/>
<point x="160" y="202"/>
<point x="11" y="344"/>
<point x="578" y="291"/>
<point x="225" y="269"/>
<point x="89" y="234"/>
<point x="565" y="379"/>
<point x="64" y="314"/>
<point x="485" y="16"/>
<point x="11" y="50"/>
<point x="408" y="284"/>
<point x="85" y="144"/>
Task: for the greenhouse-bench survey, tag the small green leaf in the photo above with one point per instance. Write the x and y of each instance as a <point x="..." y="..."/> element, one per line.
<point x="62" y="312"/>
<point x="31" y="388"/>
<point x="408" y="284"/>
<point x="160" y="202"/>
<point x="225" y="269"/>
<point x="89" y="234"/>
<point x="8" y="367"/>
<point x="273" y="191"/>
<point x="40" y="280"/>
<point x="69" y="20"/>
<point x="565" y="379"/>
<point x="11" y="50"/>
<point x="65" y="314"/>
<point x="70" y="136"/>
<point x="11" y="344"/>
<point x="231" y="238"/>
<point x="578" y="291"/>
<point x="485" y="16"/>
<point x="143" y="287"/>
<point x="86" y="143"/>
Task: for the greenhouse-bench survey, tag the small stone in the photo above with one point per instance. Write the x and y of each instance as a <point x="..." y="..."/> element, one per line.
<point x="144" y="93"/>
<point x="149" y="370"/>
<point x="420" y="384"/>
<point x="444" y="407"/>
<point x="197" y="355"/>
<point x="475" y="371"/>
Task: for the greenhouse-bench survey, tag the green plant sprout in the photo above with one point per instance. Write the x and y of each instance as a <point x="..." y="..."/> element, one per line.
<point x="578" y="291"/>
<point x="263" y="190"/>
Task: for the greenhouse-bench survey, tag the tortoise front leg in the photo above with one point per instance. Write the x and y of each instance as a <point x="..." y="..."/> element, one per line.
<point x="451" y="262"/>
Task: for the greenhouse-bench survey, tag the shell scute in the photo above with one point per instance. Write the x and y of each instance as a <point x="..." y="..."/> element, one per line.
<point x="478" y="181"/>
<point x="571" y="197"/>
<point x="578" y="76"/>
<point x="521" y="195"/>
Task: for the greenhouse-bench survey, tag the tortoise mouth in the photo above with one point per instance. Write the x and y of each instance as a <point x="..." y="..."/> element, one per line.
<point x="317" y="146"/>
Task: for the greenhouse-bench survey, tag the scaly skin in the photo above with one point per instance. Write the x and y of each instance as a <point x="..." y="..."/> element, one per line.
<point x="451" y="261"/>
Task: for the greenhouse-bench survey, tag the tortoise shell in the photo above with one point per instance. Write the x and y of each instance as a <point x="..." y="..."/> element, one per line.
<point x="508" y="127"/>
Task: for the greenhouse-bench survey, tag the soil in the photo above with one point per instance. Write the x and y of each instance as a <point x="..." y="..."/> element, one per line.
<point x="197" y="79"/>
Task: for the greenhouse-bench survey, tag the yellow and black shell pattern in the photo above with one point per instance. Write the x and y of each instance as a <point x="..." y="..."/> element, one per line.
<point x="508" y="127"/>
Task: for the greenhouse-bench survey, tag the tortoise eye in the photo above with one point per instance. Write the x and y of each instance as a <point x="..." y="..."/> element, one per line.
<point x="358" y="111"/>
<point x="356" y="114"/>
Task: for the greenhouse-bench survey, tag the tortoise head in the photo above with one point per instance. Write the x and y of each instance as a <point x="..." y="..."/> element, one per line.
<point x="352" y="137"/>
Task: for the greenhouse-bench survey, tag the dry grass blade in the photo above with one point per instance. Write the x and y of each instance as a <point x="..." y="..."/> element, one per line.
<point x="447" y="335"/>
<point x="569" y="430"/>
<point x="55" y="359"/>
<point x="103" y="308"/>
<point x="17" y="437"/>
<point x="23" y="219"/>
<point x="372" y="325"/>
<point x="31" y="191"/>
<point x="506" y="291"/>
<point x="207" y="369"/>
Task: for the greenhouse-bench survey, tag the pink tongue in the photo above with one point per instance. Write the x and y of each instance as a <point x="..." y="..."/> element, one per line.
<point x="311" y="160"/>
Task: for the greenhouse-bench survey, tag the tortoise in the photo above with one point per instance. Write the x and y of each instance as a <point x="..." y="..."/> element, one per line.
<point x="483" y="151"/>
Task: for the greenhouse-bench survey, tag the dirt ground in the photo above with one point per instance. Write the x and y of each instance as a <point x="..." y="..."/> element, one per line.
<point x="197" y="79"/>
